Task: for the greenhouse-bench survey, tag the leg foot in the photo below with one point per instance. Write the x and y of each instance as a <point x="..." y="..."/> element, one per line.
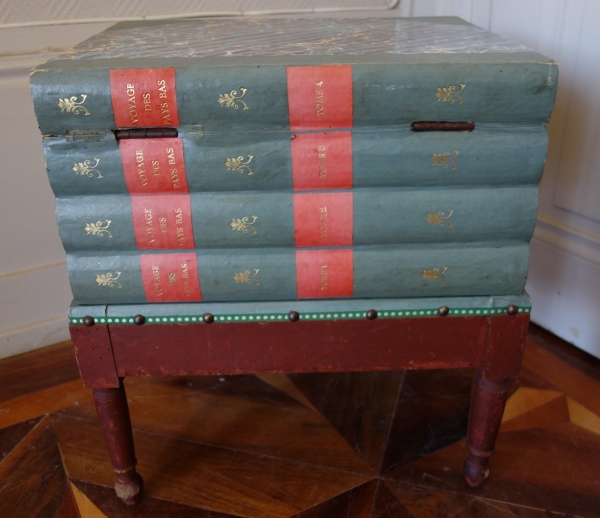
<point x="487" y="407"/>
<point x="476" y="470"/>
<point x="113" y="413"/>
<point x="130" y="491"/>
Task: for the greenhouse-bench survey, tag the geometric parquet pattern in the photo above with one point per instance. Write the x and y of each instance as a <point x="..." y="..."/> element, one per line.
<point x="363" y="445"/>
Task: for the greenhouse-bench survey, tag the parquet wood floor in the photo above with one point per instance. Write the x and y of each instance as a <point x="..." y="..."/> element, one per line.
<point x="365" y="445"/>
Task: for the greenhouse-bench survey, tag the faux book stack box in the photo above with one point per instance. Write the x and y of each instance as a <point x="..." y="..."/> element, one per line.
<point x="231" y="160"/>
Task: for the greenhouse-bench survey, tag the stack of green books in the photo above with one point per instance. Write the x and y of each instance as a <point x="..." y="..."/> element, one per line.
<point x="278" y="159"/>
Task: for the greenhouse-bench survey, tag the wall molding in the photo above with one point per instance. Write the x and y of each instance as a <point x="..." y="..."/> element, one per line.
<point x="49" y="15"/>
<point x="568" y="239"/>
<point x="36" y="303"/>
<point x="33" y="269"/>
<point x="43" y="333"/>
<point x="17" y="68"/>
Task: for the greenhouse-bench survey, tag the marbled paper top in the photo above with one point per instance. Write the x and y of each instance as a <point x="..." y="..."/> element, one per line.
<point x="216" y="37"/>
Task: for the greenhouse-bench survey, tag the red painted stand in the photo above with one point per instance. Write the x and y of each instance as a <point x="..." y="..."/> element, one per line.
<point x="494" y="345"/>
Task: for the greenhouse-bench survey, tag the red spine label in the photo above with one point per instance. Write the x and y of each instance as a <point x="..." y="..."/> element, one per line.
<point x="323" y="219"/>
<point x="322" y="161"/>
<point x="154" y="166"/>
<point x="324" y="273"/>
<point x="170" y="277"/>
<point x="161" y="222"/>
<point x="320" y="97"/>
<point x="144" y="97"/>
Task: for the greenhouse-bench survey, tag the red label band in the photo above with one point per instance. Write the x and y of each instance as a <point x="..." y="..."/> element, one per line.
<point x="170" y="277"/>
<point x="324" y="273"/>
<point x="320" y="98"/>
<point x="323" y="219"/>
<point x="154" y="166"/>
<point x="162" y="222"/>
<point x="322" y="161"/>
<point x="144" y="97"/>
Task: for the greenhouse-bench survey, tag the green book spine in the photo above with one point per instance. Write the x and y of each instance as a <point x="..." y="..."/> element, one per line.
<point x="441" y="270"/>
<point x="107" y="94"/>
<point x="498" y="154"/>
<point x="308" y="219"/>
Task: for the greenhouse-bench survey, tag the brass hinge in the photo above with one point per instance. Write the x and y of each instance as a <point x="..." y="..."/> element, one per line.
<point x="443" y="126"/>
<point x="146" y="133"/>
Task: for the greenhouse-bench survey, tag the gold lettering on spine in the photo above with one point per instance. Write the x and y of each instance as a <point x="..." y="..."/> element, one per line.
<point x="247" y="277"/>
<point x="97" y="229"/>
<point x="243" y="224"/>
<point x="178" y="217"/>
<point x="175" y="178"/>
<point x="131" y="104"/>
<point x="434" y="274"/>
<point x="140" y="167"/>
<point x="162" y="223"/>
<point x="165" y="112"/>
<point x="323" y="283"/>
<point x="449" y="94"/>
<point x="147" y="106"/>
<point x="86" y="168"/>
<point x="72" y="105"/>
<point x="148" y="225"/>
<point x="185" y="275"/>
<point x="156" y="280"/>
<point x="322" y="161"/>
<point x="319" y="98"/>
<point x="440" y="219"/>
<point x="179" y="230"/>
<point x="170" y="155"/>
<point x="147" y="102"/>
<point x="238" y="164"/>
<point x="170" y="152"/>
<point x="107" y="279"/>
<point x="444" y="159"/>
<point x="232" y="99"/>
<point x="322" y="221"/>
<point x="180" y="237"/>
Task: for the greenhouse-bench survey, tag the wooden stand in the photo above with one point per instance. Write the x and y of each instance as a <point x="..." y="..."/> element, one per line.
<point x="492" y="344"/>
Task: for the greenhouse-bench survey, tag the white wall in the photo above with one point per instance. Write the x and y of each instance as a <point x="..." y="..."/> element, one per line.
<point x="564" y="274"/>
<point x="33" y="12"/>
<point x="34" y="288"/>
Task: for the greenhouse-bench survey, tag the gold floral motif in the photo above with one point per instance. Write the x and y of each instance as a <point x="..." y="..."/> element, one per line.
<point x="247" y="277"/>
<point x="71" y="105"/>
<point x="434" y="274"/>
<point x="449" y="95"/>
<point x="243" y="224"/>
<point x="444" y="159"/>
<point x="238" y="164"/>
<point x="87" y="168"/>
<point x="231" y="99"/>
<point x="97" y="229"/>
<point x="107" y="279"/>
<point x="440" y="218"/>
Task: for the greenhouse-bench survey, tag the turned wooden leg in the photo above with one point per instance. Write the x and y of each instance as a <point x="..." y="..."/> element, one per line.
<point x="487" y="407"/>
<point x="113" y="412"/>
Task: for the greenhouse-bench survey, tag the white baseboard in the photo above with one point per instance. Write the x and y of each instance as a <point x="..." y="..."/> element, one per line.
<point x="34" y="336"/>
<point x="564" y="283"/>
<point x="570" y="239"/>
<point x="565" y="293"/>
<point x="35" y="303"/>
